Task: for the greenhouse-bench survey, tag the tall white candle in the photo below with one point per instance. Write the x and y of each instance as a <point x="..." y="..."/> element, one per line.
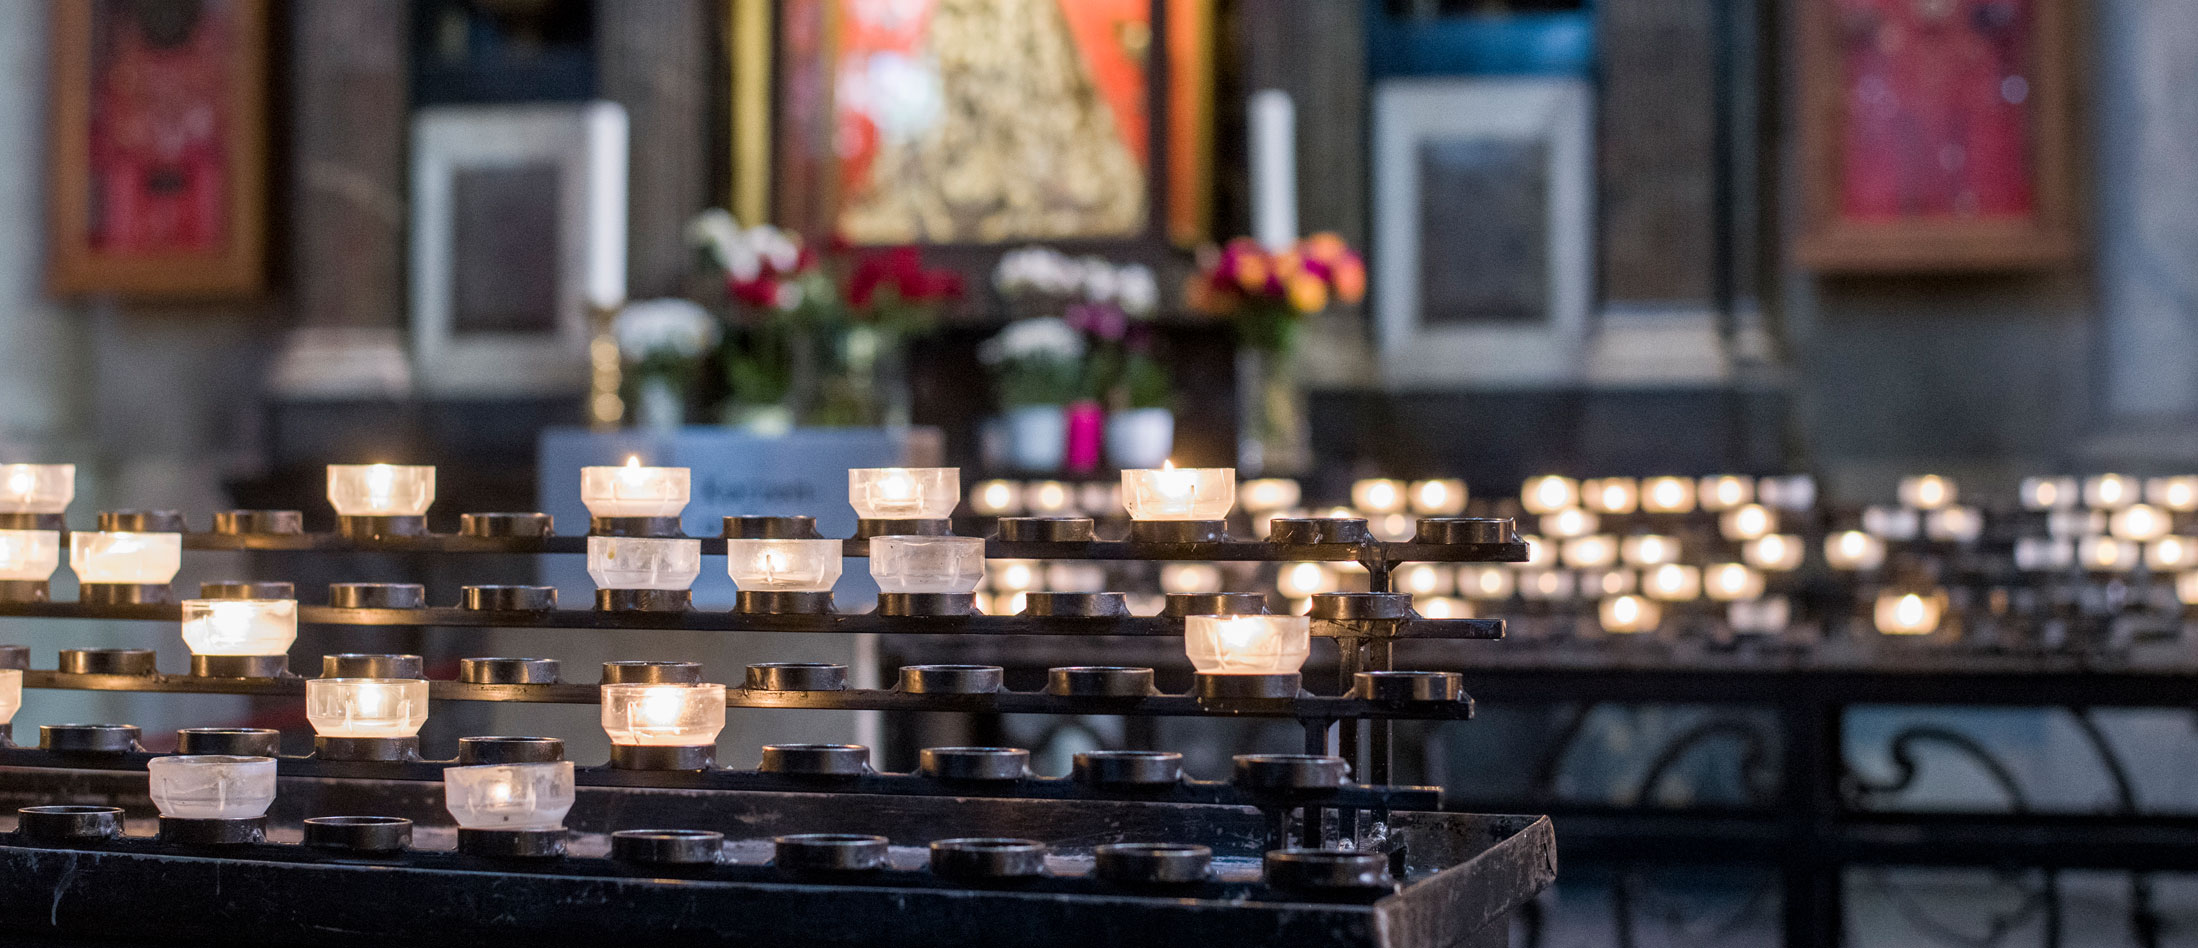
<point x="1272" y="121"/>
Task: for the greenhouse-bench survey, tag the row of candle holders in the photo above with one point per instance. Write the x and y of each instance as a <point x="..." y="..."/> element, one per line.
<point x="509" y="798"/>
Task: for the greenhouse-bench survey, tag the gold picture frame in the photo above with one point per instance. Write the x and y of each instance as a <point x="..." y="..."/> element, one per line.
<point x="781" y="110"/>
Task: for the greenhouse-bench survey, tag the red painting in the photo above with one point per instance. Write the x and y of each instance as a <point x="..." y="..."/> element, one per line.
<point x="159" y="174"/>
<point x="159" y="137"/>
<point x="1935" y="135"/>
<point x="1938" y="119"/>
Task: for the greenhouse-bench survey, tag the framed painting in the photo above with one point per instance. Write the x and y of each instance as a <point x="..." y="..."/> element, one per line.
<point x="1934" y="135"/>
<point x="974" y="122"/>
<point x="1484" y="195"/>
<point x="158" y="148"/>
<point x="518" y="233"/>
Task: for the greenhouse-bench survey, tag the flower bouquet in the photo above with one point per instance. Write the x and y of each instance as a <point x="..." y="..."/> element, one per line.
<point x="1269" y="295"/>
<point x="1037" y="367"/>
<point x="664" y="344"/>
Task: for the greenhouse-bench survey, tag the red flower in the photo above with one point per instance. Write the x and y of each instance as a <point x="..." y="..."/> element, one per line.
<point x="900" y="268"/>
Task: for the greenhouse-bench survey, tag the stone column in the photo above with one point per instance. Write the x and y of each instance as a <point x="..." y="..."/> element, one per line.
<point x="350" y="120"/>
<point x="2144" y="121"/>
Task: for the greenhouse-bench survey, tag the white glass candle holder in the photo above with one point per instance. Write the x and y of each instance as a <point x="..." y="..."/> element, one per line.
<point x="1954" y="524"/>
<point x="2107" y="554"/>
<point x="1649" y="549"/>
<point x="783" y="565"/>
<point x="665" y="714"/>
<point x="1667" y="495"/>
<point x="11" y="694"/>
<point x="1569" y="522"/>
<point x="37" y="488"/>
<point x="1179" y="493"/>
<point x="996" y="499"/>
<point x="1777" y="552"/>
<point x="240" y="626"/>
<point x="1596" y="551"/>
<point x="1672" y="582"/>
<point x="2171" y="554"/>
<point x="1747" y="522"/>
<point x="1439" y="497"/>
<point x="135" y="559"/>
<point x="1247" y="645"/>
<point x="950" y="565"/>
<point x="1609" y="582"/>
<point x="1268" y="495"/>
<point x="2140" y="522"/>
<point x="1927" y="491"/>
<point x="1443" y="607"/>
<point x="211" y="786"/>
<point x="29" y="556"/>
<point x="1909" y="613"/>
<point x="2178" y="493"/>
<point x="1075" y="577"/>
<point x="1425" y="579"/>
<point x="1539" y="552"/>
<point x="1630" y="615"/>
<point x="1892" y="523"/>
<point x="2043" y="554"/>
<point x="1546" y="585"/>
<point x="2110" y="491"/>
<point x="1611" y="495"/>
<point x="2071" y="524"/>
<point x="2050" y="493"/>
<point x="1728" y="582"/>
<point x="533" y="796"/>
<point x="644" y="563"/>
<point x="631" y="490"/>
<point x="1014" y="576"/>
<point x="1549" y="494"/>
<point x="1049" y="498"/>
<point x="381" y="490"/>
<point x="1379" y="495"/>
<point x="366" y="707"/>
<point x="1767" y="616"/>
<point x="1853" y="550"/>
<point x="1724" y="492"/>
<point x="1185" y="579"/>
<point x="1793" y="493"/>
<point x="1487" y="582"/>
<point x="904" y="493"/>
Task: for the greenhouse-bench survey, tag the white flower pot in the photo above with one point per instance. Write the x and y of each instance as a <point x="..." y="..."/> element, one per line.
<point x="1140" y="438"/>
<point x="1037" y="437"/>
<point x="659" y="406"/>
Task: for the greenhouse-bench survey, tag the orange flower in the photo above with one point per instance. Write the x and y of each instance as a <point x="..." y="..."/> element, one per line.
<point x="1307" y="293"/>
<point x="1325" y="247"/>
<point x="1252" y="271"/>
<point x="1350" y="280"/>
<point x="1288" y="265"/>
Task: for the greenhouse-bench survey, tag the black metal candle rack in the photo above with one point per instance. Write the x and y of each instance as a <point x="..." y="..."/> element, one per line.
<point x="813" y="847"/>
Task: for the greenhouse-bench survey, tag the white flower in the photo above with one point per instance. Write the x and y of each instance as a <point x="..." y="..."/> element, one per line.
<point x="1098" y="278"/>
<point x="1137" y="290"/>
<point x="1042" y="339"/>
<point x="743" y="253"/>
<point x="775" y="247"/>
<point x="664" y="327"/>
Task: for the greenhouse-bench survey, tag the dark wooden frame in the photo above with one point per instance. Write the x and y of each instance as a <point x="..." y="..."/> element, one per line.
<point x="772" y="137"/>
<point x="1827" y="243"/>
<point x="73" y="267"/>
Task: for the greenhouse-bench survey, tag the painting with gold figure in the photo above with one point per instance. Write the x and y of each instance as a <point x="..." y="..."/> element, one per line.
<point x="972" y="121"/>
